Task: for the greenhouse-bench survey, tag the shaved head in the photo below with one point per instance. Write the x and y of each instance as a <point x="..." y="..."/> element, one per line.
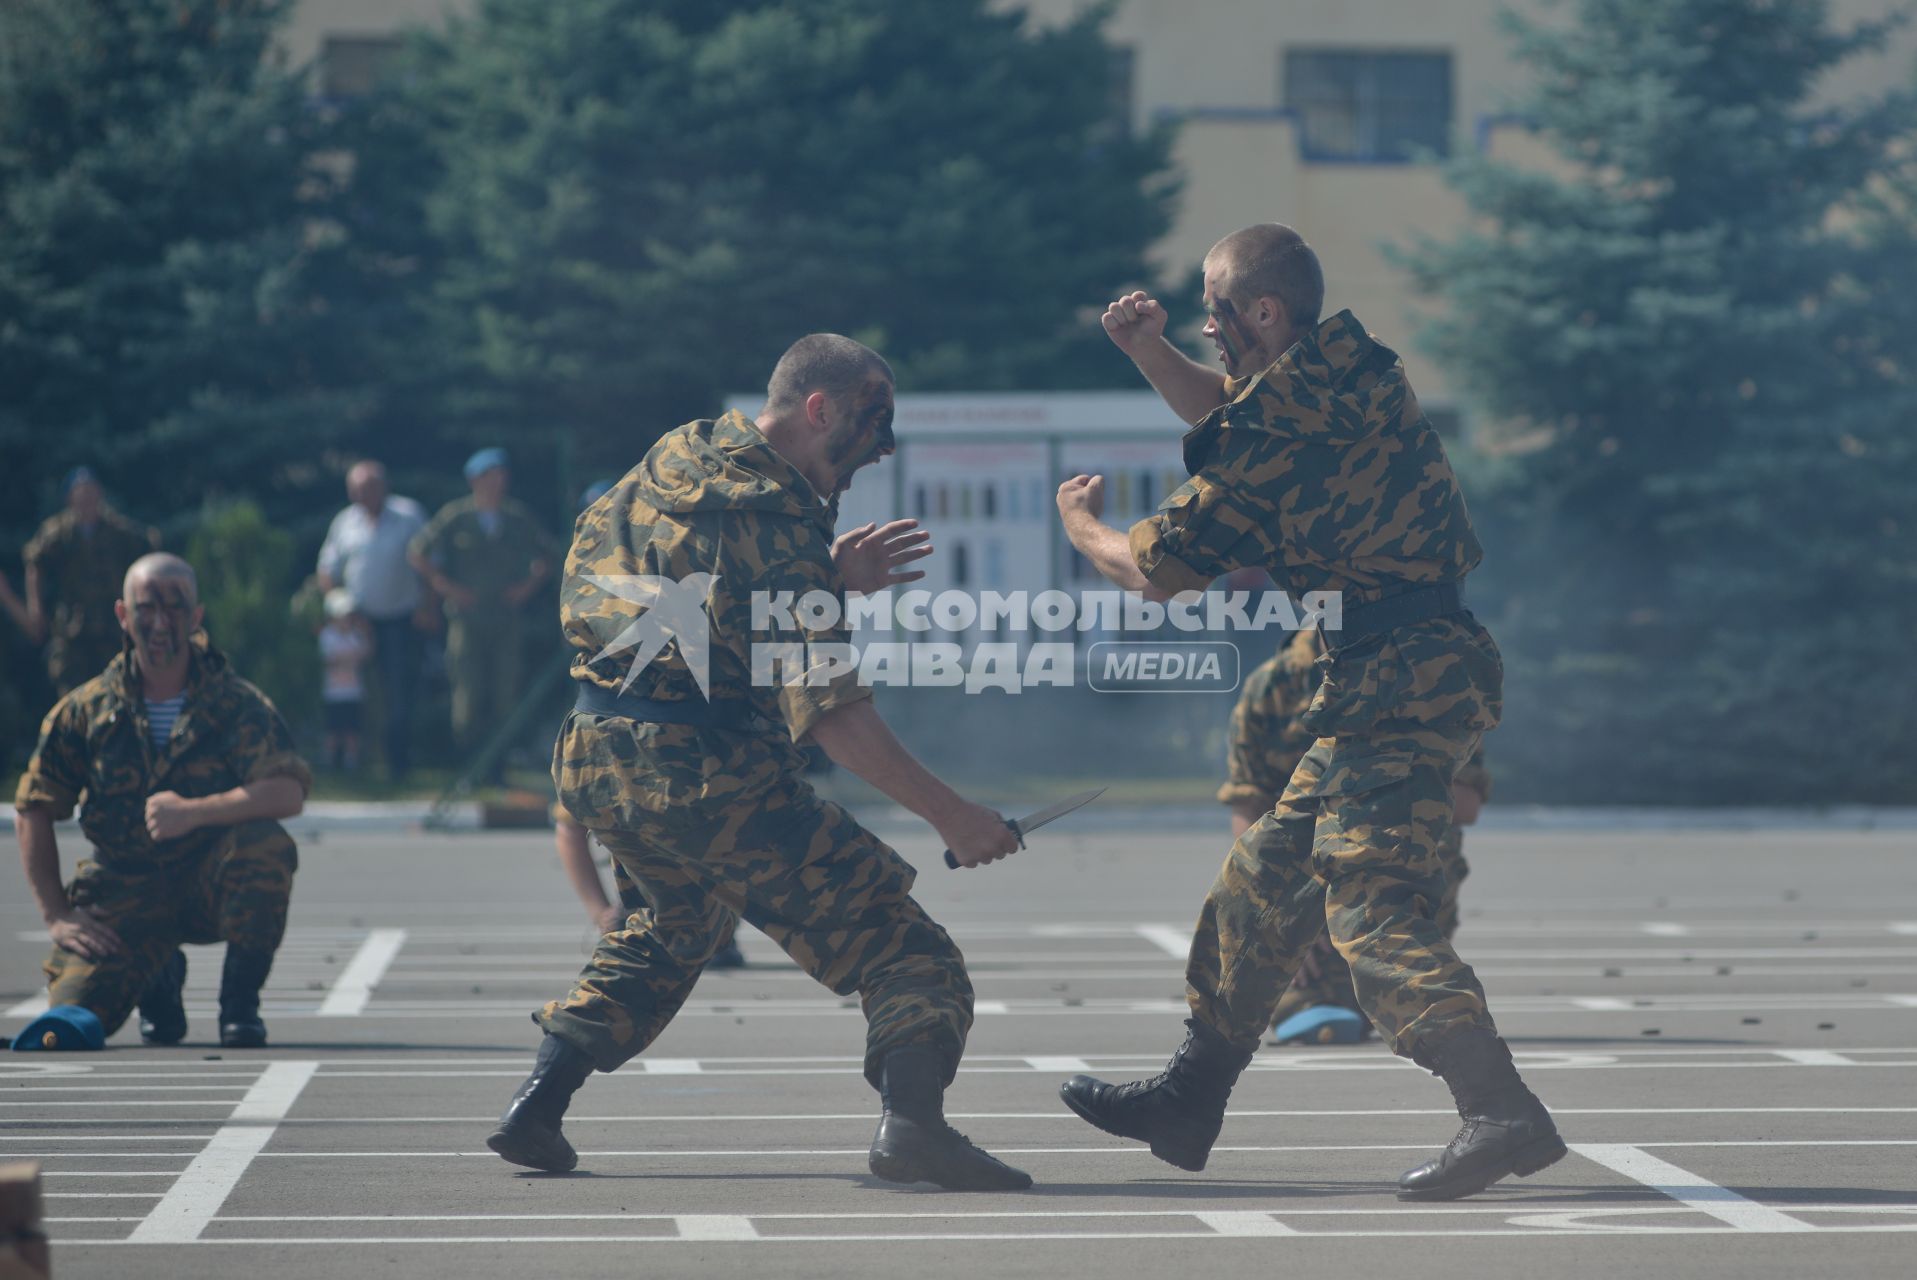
<point x="157" y="568"/>
<point x="824" y="362"/>
<point x="1270" y="260"/>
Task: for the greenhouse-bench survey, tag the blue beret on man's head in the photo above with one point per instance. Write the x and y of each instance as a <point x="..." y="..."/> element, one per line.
<point x="77" y="477"/>
<point x="485" y="460"/>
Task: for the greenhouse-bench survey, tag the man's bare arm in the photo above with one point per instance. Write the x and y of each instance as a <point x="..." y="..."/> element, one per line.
<point x="1080" y="500"/>
<point x="1136" y="324"/>
<point x="73" y="929"/>
<point x="857" y="738"/>
<point x="170" y="815"/>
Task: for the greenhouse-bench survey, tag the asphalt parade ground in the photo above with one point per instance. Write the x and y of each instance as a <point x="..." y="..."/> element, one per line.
<point x="1724" y="1022"/>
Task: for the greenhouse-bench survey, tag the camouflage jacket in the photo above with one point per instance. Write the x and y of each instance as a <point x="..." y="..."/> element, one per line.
<point x="81" y="572"/>
<point x="1320" y="470"/>
<point x="95" y="743"/>
<point x="714" y="509"/>
<point x="1268" y="736"/>
<point x="457" y="543"/>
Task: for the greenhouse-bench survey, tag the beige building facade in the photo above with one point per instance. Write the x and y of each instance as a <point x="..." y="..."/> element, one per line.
<point x="1319" y="113"/>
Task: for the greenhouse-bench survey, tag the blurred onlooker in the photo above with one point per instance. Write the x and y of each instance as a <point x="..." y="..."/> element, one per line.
<point x="365" y="552"/>
<point x="12" y="605"/>
<point x="485" y="555"/>
<point x="345" y="642"/>
<point x="75" y="563"/>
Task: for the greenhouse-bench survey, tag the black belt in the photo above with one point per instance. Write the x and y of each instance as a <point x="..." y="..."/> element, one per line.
<point x="1416" y="605"/>
<point x="598" y="701"/>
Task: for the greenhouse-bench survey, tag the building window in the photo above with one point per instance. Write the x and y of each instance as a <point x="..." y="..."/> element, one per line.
<point x="1378" y="107"/>
<point x="351" y="66"/>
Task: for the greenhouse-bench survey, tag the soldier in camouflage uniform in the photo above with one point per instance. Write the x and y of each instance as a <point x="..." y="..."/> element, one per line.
<point x="485" y="555"/>
<point x="186" y="770"/>
<point x="684" y="758"/>
<point x="1267" y="741"/>
<point x="76" y="561"/>
<point x="1311" y="459"/>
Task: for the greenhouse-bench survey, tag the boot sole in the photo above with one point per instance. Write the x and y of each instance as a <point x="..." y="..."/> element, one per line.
<point x="1178" y="1158"/>
<point x="1538" y="1154"/>
<point x="894" y="1169"/>
<point x="513" y="1147"/>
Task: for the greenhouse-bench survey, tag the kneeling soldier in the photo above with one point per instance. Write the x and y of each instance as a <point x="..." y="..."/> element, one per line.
<point x="185" y="769"/>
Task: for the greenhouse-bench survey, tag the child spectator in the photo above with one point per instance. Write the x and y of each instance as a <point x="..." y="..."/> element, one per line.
<point x="345" y="642"/>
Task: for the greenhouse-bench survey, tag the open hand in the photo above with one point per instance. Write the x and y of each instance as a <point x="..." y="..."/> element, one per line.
<point x="85" y="934"/>
<point x="871" y="557"/>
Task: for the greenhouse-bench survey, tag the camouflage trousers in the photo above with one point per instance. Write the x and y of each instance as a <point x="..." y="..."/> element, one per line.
<point x="1323" y="977"/>
<point x="237" y="893"/>
<point x="483" y="662"/>
<point x="798" y="868"/>
<point x="1353" y="846"/>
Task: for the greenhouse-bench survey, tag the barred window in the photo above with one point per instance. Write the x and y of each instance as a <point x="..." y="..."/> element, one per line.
<point x="1359" y="105"/>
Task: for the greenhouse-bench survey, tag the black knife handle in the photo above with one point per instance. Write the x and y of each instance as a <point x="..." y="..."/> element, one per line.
<point x="951" y="860"/>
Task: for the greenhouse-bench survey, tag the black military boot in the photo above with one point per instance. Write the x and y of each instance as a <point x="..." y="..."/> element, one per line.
<point x="1506" y="1129"/>
<point x="914" y="1144"/>
<point x="163" y="1003"/>
<point x="1178" y="1111"/>
<point x="528" y="1133"/>
<point x="240" y="981"/>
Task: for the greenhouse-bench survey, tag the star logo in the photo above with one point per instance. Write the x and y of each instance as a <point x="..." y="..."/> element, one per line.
<point x="671" y="612"/>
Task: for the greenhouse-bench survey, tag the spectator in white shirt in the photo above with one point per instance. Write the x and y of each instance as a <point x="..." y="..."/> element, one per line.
<point x="365" y="552"/>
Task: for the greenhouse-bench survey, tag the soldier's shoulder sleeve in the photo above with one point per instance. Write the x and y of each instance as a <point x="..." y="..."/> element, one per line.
<point x="427" y="540"/>
<point x="1223" y="518"/>
<point x="794" y="561"/>
<point x="57" y="774"/>
<point x="258" y="743"/>
<point x="45" y="541"/>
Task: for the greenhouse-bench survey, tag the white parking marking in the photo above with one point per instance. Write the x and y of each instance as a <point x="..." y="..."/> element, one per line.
<point x="715" y="1226"/>
<point x="1243" y="1222"/>
<point x="670" y="1066"/>
<point x="31" y="1007"/>
<point x="1665" y="929"/>
<point x="1170" y="940"/>
<point x="196" y="1197"/>
<point x="355" y="984"/>
<point x="1058" y="1064"/>
<point x="1815" y="1058"/>
<point x="1688" y="1188"/>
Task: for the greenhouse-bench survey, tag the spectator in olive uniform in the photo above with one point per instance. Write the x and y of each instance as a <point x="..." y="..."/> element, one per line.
<point x="74" y="566"/>
<point x="1310" y="458"/>
<point x="686" y="763"/>
<point x="1268" y="739"/>
<point x="186" y="770"/>
<point x="485" y="555"/>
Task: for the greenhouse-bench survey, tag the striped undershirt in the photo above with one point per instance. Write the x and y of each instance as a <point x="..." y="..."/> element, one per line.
<point x="160" y="715"/>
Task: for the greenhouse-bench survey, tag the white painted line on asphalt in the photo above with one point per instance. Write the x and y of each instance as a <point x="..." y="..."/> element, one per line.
<point x="1059" y="1064"/>
<point x="1603" y="1004"/>
<point x="355" y="985"/>
<point x="670" y="1066"/>
<point x="992" y="1237"/>
<point x="101" y="1195"/>
<point x="715" y="1226"/>
<point x="1906" y="927"/>
<point x="1665" y="929"/>
<point x="1688" y="1188"/>
<point x="31" y="1007"/>
<point x="978" y="1006"/>
<point x="1908" y="1001"/>
<point x="103" y="1173"/>
<point x="197" y="1196"/>
<point x="1243" y="1222"/>
<point x="1815" y="1058"/>
<point x="126" y="1088"/>
<point x="1172" y="941"/>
